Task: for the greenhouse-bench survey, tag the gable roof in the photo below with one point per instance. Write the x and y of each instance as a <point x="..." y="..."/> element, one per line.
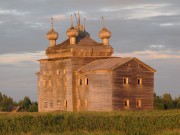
<point x="110" y="64"/>
<point x="15" y="108"/>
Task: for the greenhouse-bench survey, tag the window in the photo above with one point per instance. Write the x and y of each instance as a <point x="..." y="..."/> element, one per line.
<point x="64" y="71"/>
<point x="39" y="83"/>
<point x="58" y="72"/>
<point x="58" y="80"/>
<point x="139" y="81"/>
<point x="78" y="103"/>
<point x="50" y="72"/>
<point x="50" y="83"/>
<point x="138" y="66"/>
<point x="86" y="81"/>
<point x="125" y="80"/>
<point x="126" y="103"/>
<point x="44" y="73"/>
<point x="51" y="104"/>
<point x="45" y="104"/>
<point x="138" y="103"/>
<point x="44" y="83"/>
<point x="58" y="103"/>
<point x="86" y="103"/>
<point x="80" y="81"/>
<point x="128" y="65"/>
<point x="65" y="103"/>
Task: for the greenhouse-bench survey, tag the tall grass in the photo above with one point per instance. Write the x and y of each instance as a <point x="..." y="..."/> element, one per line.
<point x="125" y="122"/>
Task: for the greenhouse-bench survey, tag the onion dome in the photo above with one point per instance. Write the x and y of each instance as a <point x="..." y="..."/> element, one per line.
<point x="52" y="35"/>
<point x="72" y="32"/>
<point x="104" y="33"/>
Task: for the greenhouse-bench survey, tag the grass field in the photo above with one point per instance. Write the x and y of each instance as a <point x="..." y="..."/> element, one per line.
<point x="92" y="123"/>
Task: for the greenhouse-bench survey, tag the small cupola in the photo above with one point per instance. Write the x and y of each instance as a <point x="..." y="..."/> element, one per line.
<point x="104" y="34"/>
<point x="52" y="35"/>
<point x="72" y="33"/>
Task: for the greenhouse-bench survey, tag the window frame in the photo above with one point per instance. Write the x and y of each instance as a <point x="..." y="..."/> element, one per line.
<point x="139" y="81"/>
<point x="86" y="81"/>
<point x="126" y="103"/>
<point x="65" y="103"/>
<point x="51" y="104"/>
<point x="80" y="82"/>
<point x="138" y="103"/>
<point x="45" y="104"/>
<point x="58" y="103"/>
<point x="125" y="80"/>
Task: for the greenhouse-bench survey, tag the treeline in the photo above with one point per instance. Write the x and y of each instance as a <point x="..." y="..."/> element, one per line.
<point x="7" y="104"/>
<point x="166" y="102"/>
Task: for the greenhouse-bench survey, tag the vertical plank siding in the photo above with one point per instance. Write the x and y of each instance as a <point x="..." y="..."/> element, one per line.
<point x="132" y="91"/>
<point x="59" y="88"/>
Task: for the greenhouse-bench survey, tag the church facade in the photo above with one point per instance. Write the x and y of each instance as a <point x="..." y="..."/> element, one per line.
<point x="81" y="74"/>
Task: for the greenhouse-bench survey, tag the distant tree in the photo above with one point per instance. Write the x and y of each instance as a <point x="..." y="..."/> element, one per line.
<point x="6" y="103"/>
<point x="167" y="101"/>
<point x="33" y="107"/>
<point x="1" y="97"/>
<point x="158" y="102"/>
<point x="178" y="103"/>
<point x="25" y="103"/>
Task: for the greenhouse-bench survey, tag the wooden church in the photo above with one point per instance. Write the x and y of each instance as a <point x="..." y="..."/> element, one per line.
<point x="81" y="74"/>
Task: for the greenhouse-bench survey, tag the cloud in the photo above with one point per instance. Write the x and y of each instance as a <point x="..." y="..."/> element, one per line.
<point x="169" y="24"/>
<point x="59" y="17"/>
<point x="147" y="6"/>
<point x="142" y="11"/>
<point x="12" y="12"/>
<point x="150" y="54"/>
<point x="148" y="14"/>
<point x="14" y="59"/>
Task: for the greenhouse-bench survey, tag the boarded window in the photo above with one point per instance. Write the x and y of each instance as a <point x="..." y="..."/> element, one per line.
<point x="45" y="104"/>
<point x="50" y="72"/>
<point x="86" y="103"/>
<point x="78" y="103"/>
<point x="50" y="83"/>
<point x="44" y="73"/>
<point x="64" y="71"/>
<point x="138" y="103"/>
<point x="125" y="80"/>
<point x="44" y="83"/>
<point x="58" y="80"/>
<point x="58" y="103"/>
<point x="86" y="81"/>
<point x="126" y="103"/>
<point x="51" y="104"/>
<point x="139" y="81"/>
<point x="39" y="83"/>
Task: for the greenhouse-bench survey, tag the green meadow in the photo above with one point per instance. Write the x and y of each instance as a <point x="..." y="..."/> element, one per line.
<point x="147" y="122"/>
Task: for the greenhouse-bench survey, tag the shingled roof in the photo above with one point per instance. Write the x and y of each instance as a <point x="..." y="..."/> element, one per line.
<point x="85" y="46"/>
<point x="104" y="64"/>
<point x="83" y="39"/>
<point x="109" y="64"/>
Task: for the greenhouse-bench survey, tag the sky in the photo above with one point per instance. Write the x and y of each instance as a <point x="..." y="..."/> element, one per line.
<point x="146" y="29"/>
